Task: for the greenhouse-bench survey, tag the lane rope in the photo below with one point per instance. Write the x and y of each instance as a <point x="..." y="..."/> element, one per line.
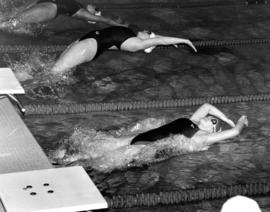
<point x="198" y="44"/>
<point x="77" y="108"/>
<point x="186" y="196"/>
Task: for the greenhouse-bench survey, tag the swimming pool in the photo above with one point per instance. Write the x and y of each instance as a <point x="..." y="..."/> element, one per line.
<point x="163" y="74"/>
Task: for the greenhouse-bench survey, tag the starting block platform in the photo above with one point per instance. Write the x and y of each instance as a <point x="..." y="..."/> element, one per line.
<point x="50" y="190"/>
<point x="8" y="82"/>
<point x="28" y="182"/>
<point x="19" y="150"/>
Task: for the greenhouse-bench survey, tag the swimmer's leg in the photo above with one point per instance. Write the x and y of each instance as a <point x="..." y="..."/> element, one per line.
<point x="37" y="13"/>
<point x="77" y="53"/>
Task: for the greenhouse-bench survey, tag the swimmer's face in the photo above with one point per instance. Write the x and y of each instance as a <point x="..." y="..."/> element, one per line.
<point x="92" y="9"/>
<point x="208" y="124"/>
<point x="144" y="35"/>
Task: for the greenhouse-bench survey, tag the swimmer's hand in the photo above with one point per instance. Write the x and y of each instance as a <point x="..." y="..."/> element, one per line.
<point x="242" y="121"/>
<point x="190" y="44"/>
<point x="187" y="42"/>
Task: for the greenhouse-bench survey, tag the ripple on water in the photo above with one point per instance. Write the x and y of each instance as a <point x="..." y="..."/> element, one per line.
<point x="226" y="58"/>
<point x="105" y="85"/>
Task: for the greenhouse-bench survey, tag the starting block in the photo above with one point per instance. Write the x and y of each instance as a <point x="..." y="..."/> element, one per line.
<point x="50" y="190"/>
<point x="28" y="183"/>
<point x="9" y="83"/>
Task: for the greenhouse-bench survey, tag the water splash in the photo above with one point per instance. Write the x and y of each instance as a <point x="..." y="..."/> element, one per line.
<point x="11" y="25"/>
<point x="33" y="70"/>
<point x="106" y="152"/>
<point x="8" y="22"/>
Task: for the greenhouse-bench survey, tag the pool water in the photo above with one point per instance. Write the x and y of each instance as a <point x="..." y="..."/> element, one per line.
<point x="163" y="74"/>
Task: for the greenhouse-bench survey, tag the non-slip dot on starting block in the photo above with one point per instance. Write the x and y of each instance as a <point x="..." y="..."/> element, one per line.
<point x="9" y="83"/>
<point x="50" y="190"/>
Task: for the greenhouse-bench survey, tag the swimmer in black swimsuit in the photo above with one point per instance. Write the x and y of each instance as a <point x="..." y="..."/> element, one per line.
<point x="94" y="43"/>
<point x="202" y="128"/>
<point x="183" y="126"/>
<point x="47" y="10"/>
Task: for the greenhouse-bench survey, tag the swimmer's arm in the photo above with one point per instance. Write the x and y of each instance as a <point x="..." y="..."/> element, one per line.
<point x="220" y="137"/>
<point x="208" y="109"/>
<point x="163" y="40"/>
<point x="85" y="15"/>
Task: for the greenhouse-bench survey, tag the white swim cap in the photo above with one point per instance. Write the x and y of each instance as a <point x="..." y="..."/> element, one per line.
<point x="240" y="204"/>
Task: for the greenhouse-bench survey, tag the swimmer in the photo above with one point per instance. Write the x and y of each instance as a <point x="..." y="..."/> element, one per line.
<point x="47" y="10"/>
<point x="185" y="135"/>
<point x="94" y="43"/>
<point x="202" y="127"/>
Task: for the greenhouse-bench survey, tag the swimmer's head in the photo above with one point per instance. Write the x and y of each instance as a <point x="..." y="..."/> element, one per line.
<point x="210" y="124"/>
<point x="92" y="9"/>
<point x="144" y="35"/>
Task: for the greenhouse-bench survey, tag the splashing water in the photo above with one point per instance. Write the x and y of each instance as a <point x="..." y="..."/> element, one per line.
<point x="34" y="69"/>
<point x="9" y="10"/>
<point x="105" y="151"/>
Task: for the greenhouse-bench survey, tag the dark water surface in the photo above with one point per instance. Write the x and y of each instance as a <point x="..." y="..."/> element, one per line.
<point x="163" y="74"/>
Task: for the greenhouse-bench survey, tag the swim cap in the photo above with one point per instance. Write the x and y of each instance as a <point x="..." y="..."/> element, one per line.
<point x="239" y="204"/>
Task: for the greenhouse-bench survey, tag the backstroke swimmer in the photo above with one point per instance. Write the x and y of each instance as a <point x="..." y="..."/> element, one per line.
<point x="46" y="10"/>
<point x="94" y="43"/>
<point x="202" y="127"/>
<point x="184" y="135"/>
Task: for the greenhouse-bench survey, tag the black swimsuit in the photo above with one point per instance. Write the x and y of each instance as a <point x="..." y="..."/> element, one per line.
<point x="182" y="126"/>
<point x="108" y="37"/>
<point x="66" y="7"/>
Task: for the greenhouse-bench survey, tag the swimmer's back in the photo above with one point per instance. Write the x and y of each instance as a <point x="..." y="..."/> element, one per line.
<point x="108" y="37"/>
<point x="181" y="126"/>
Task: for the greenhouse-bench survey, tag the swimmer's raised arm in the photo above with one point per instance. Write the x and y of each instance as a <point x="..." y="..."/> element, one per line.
<point x="208" y="109"/>
<point x="219" y="137"/>
<point x="160" y="40"/>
